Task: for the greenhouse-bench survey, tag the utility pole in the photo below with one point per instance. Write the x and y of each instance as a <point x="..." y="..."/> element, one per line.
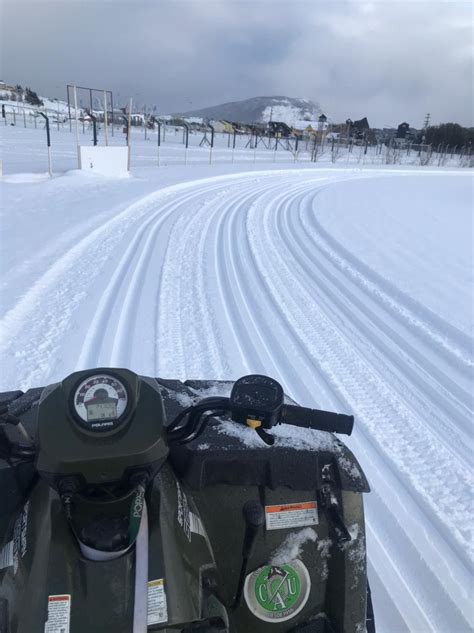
<point x="425" y="126"/>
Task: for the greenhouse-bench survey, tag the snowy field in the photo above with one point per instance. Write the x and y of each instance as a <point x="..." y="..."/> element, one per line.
<point x="351" y="286"/>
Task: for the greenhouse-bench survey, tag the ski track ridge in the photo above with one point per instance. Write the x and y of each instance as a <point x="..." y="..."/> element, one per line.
<point x="334" y="290"/>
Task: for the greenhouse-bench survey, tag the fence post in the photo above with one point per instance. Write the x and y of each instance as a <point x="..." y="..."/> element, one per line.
<point x="48" y="141"/>
<point x="112" y="111"/>
<point x="106" y="121"/>
<point x="125" y="129"/>
<point x="212" y="143"/>
<point x="68" y="109"/>
<point x="129" y="130"/>
<point x="94" y="127"/>
<point x="155" y="120"/>
<point x="77" y="129"/>
<point x="233" y="144"/>
<point x="186" y="145"/>
<point x="57" y="118"/>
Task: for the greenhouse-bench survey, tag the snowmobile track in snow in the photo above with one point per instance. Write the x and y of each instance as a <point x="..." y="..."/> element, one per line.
<point x="230" y="275"/>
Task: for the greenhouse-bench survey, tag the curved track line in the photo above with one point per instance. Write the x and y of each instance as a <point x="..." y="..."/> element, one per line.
<point x="448" y="339"/>
<point x="338" y="297"/>
<point x="126" y="276"/>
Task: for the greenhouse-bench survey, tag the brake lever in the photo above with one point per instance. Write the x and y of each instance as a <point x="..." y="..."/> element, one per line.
<point x="266" y="437"/>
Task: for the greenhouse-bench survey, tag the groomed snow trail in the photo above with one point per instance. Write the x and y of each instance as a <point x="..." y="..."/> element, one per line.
<point x="230" y="275"/>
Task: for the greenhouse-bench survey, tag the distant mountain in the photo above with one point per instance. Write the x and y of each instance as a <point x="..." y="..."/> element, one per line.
<point x="260" y="110"/>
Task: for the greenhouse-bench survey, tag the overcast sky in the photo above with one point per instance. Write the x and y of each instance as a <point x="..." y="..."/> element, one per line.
<point x="387" y="60"/>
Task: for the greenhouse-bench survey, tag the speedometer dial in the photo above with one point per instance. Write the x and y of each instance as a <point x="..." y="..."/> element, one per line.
<point x="100" y="401"/>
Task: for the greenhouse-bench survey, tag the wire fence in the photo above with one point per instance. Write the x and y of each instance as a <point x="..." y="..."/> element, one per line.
<point x="158" y="143"/>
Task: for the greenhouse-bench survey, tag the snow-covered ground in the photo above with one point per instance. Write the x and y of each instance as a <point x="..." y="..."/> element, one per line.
<point x="351" y="286"/>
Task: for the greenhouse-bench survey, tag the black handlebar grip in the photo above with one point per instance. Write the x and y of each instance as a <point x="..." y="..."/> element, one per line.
<point x="318" y="420"/>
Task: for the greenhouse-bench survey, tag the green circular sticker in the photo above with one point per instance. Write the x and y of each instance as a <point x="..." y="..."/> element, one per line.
<point x="277" y="593"/>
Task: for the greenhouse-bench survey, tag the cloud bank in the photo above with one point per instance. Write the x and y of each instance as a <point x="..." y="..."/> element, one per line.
<point x="387" y="60"/>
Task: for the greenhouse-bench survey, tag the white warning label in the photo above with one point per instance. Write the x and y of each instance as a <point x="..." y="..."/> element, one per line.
<point x="59" y="613"/>
<point x="15" y="549"/>
<point x="157" y="607"/>
<point x="291" y="515"/>
<point x="196" y="525"/>
<point x="6" y="555"/>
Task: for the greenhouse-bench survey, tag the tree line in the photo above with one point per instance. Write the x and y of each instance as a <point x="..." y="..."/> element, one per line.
<point x="24" y="94"/>
<point x="451" y="134"/>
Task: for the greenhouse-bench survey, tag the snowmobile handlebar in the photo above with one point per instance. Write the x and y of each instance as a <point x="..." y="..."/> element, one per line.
<point x="318" y="420"/>
<point x="256" y="401"/>
<point x="199" y="415"/>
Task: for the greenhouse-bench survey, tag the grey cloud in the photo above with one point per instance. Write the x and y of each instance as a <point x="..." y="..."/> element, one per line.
<point x="389" y="60"/>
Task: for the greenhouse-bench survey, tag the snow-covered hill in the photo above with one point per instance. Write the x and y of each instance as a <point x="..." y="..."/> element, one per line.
<point x="261" y="110"/>
<point x="13" y="98"/>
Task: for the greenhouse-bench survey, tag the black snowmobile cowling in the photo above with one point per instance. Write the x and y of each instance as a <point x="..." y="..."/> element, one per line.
<point x="134" y="504"/>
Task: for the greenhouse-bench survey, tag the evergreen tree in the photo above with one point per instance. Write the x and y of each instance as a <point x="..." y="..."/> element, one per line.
<point x="32" y="98"/>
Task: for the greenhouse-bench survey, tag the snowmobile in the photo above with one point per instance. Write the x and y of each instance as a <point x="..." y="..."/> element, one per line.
<point x="133" y="504"/>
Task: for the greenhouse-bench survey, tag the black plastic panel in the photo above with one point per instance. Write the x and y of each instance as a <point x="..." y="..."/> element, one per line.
<point x="216" y="457"/>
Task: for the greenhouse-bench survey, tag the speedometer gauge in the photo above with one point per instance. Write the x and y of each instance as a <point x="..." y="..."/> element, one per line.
<point x="99" y="402"/>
